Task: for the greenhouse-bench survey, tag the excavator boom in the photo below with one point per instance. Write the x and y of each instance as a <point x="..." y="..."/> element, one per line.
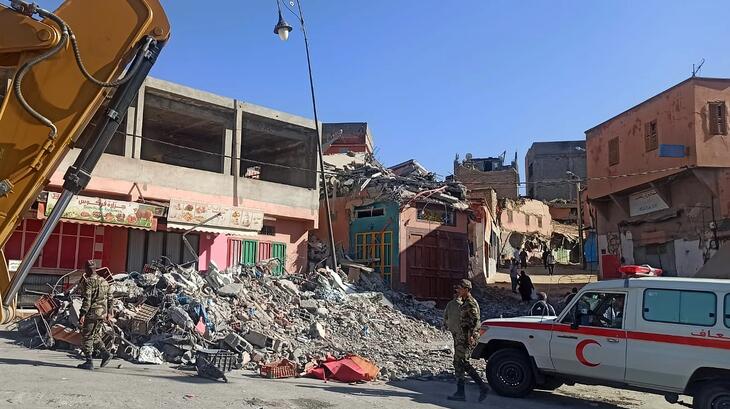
<point x="65" y="64"/>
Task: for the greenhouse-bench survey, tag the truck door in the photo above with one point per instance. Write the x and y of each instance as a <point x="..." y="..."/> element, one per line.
<point x="590" y="341"/>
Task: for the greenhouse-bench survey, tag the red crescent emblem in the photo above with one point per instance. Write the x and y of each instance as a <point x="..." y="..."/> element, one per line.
<point x="579" y="352"/>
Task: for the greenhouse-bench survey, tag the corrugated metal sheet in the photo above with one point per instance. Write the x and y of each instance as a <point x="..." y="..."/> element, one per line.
<point x="135" y="250"/>
<point x="173" y="247"/>
<point x="155" y="241"/>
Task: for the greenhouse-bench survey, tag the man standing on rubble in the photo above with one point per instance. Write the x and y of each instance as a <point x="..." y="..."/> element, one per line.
<point x="95" y="309"/>
<point x="465" y="340"/>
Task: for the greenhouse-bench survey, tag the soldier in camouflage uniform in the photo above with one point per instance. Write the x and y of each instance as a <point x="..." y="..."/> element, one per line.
<point x="95" y="309"/>
<point x="464" y="341"/>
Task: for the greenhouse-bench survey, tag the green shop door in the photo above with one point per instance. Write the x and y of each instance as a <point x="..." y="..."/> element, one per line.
<point x="249" y="251"/>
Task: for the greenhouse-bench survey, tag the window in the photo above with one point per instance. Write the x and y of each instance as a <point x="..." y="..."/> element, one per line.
<point x="530" y="171"/>
<point x="718" y="115"/>
<point x="727" y="310"/>
<point x="539" y="221"/>
<point x="651" y="140"/>
<point x="267" y="231"/>
<point x="527" y="219"/>
<point x="613" y="152"/>
<point x="510" y="216"/>
<point x="438" y="214"/>
<point x="369" y="212"/>
<point x="680" y="307"/>
<point x="598" y="310"/>
<point x="376" y="250"/>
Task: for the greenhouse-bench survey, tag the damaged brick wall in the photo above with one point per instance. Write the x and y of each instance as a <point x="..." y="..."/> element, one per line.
<point x="504" y="182"/>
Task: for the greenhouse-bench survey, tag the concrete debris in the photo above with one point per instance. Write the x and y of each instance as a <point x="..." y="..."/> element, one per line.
<point x="258" y="318"/>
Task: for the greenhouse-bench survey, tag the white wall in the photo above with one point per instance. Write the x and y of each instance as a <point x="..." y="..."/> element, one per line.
<point x="689" y="258"/>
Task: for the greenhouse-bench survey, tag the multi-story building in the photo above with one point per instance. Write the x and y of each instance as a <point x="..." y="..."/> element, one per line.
<point x="180" y="157"/>
<point x="489" y="173"/>
<point x="659" y="179"/>
<point x="546" y="164"/>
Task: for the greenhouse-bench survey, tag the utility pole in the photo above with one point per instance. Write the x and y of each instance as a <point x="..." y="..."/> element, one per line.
<point x="580" y="225"/>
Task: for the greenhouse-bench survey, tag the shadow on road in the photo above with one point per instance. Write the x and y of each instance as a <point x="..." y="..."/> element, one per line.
<point x="11" y="361"/>
<point x="435" y="393"/>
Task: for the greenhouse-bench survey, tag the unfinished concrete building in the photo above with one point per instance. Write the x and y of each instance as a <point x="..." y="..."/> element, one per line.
<point x="180" y="148"/>
<point x="546" y="164"/>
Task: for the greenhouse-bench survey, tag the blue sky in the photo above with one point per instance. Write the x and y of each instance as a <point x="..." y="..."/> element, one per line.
<point x="434" y="78"/>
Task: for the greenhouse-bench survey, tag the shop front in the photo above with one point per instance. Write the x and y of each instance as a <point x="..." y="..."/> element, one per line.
<point x="91" y="228"/>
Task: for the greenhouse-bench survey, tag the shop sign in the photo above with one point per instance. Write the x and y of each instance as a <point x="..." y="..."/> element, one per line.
<point x="646" y="201"/>
<point x="231" y="217"/>
<point x="105" y="211"/>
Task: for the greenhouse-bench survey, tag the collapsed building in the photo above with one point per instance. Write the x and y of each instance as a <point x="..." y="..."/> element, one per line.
<point x="527" y="224"/>
<point x="419" y="234"/>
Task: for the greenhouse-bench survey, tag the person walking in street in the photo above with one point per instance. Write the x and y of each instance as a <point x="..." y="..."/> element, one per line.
<point x="96" y="308"/>
<point x="514" y="274"/>
<point x="542" y="307"/>
<point x="525" y="286"/>
<point x="569" y="297"/>
<point x="545" y="257"/>
<point x="523" y="258"/>
<point x="550" y="262"/>
<point x="465" y="341"/>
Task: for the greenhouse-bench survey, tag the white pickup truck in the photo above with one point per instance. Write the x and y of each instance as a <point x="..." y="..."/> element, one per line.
<point x="669" y="336"/>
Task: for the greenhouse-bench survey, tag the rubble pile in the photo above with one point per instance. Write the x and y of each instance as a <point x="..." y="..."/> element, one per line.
<point x="174" y="313"/>
<point x="496" y="302"/>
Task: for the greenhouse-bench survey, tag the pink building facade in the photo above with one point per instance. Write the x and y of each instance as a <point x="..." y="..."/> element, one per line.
<point x="182" y="147"/>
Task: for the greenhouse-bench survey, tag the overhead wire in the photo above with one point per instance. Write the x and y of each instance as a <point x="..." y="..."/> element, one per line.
<point x="335" y="173"/>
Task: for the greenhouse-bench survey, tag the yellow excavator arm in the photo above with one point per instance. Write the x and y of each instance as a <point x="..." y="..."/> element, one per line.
<point x="65" y="63"/>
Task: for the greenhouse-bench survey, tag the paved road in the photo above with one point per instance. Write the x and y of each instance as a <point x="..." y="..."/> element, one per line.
<point x="49" y="379"/>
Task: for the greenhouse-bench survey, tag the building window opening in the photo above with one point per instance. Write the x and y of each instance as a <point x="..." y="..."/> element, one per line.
<point x="369" y="212"/>
<point x="651" y="139"/>
<point x="613" y="152"/>
<point x="179" y="133"/>
<point x="275" y="151"/>
<point x="718" y="118"/>
<point x="436" y="214"/>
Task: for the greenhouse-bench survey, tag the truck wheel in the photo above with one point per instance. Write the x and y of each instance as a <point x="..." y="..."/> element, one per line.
<point x="509" y="373"/>
<point x="714" y="395"/>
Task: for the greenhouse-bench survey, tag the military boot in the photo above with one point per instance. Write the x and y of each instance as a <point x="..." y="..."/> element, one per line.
<point x="105" y="358"/>
<point x="483" y="388"/>
<point x="459" y="395"/>
<point x="88" y="364"/>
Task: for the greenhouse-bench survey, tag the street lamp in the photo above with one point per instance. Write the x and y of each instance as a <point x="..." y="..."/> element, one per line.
<point x="580" y="217"/>
<point x="282" y="29"/>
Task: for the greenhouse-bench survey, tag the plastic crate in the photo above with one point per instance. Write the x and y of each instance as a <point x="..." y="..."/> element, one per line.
<point x="141" y="323"/>
<point x="280" y="369"/>
<point x="223" y="360"/>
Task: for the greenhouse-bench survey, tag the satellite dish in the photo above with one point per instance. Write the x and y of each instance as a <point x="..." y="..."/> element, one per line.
<point x="468" y="156"/>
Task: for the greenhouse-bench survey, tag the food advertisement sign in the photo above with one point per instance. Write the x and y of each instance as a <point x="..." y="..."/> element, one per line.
<point x="105" y="211"/>
<point x="236" y="218"/>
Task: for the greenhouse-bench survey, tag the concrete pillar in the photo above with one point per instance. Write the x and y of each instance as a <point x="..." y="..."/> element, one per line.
<point x="139" y="116"/>
<point x="227" y="148"/>
<point x="236" y="151"/>
<point x="129" y="133"/>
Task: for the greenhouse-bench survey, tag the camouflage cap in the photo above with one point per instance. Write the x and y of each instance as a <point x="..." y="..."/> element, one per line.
<point x="464" y="283"/>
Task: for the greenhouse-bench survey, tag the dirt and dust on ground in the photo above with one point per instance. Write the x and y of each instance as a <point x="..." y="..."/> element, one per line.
<point x="47" y="379"/>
